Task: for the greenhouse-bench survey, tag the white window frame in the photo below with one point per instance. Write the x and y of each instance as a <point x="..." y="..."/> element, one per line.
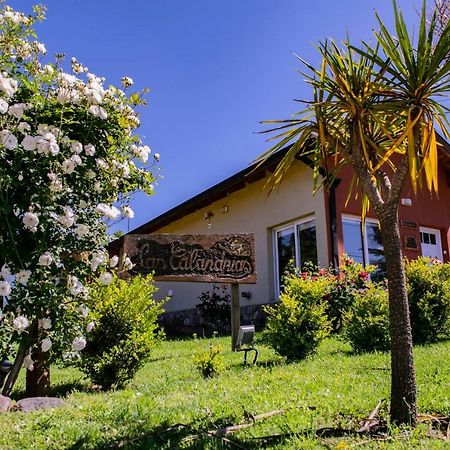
<point x="352" y="218"/>
<point x="275" y="232"/>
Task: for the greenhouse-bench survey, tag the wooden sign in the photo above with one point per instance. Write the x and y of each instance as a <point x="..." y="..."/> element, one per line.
<point x="408" y="224"/>
<point x="228" y="258"/>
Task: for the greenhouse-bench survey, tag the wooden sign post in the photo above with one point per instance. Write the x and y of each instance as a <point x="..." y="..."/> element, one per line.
<point x="228" y="258"/>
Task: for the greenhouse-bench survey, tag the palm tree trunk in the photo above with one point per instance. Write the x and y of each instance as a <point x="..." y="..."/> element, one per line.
<point x="403" y="384"/>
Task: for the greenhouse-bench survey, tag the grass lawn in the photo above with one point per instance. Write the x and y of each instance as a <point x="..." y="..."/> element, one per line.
<point x="334" y="388"/>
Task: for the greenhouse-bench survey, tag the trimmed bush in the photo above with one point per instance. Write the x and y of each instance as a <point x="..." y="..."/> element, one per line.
<point x="125" y="331"/>
<point x="367" y="322"/>
<point x="429" y="299"/>
<point x="296" y="326"/>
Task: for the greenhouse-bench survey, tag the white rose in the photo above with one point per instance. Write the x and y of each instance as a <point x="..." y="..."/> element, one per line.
<point x="156" y="156"/>
<point x="23" y="127"/>
<point x="76" y="147"/>
<point x="5" y="289"/>
<point x="20" y="323"/>
<point x="45" y="323"/>
<point x="78" y="344"/>
<point x="68" y="166"/>
<point x="29" y="142"/>
<point x="90" y="326"/>
<point x="5" y="271"/>
<point x="17" y="110"/>
<point x="128" y="212"/>
<point x="23" y="276"/>
<point x="114" y="261"/>
<point x="105" y="278"/>
<point x="89" y="149"/>
<point x="83" y="310"/>
<point x="8" y="140"/>
<point x="3" y="106"/>
<point x="46" y="345"/>
<point x="28" y="363"/>
<point x="31" y="221"/>
<point x="81" y="230"/>
<point x="45" y="259"/>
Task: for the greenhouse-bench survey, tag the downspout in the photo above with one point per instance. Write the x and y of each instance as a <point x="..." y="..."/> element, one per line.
<point x="333" y="223"/>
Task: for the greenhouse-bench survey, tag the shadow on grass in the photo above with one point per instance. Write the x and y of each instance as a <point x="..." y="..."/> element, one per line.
<point x="60" y="390"/>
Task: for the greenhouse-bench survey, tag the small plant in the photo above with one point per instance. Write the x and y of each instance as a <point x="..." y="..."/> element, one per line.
<point x="429" y="299"/>
<point x="210" y="362"/>
<point x="367" y="322"/>
<point x="297" y="325"/>
<point x="215" y="309"/>
<point x="125" y="330"/>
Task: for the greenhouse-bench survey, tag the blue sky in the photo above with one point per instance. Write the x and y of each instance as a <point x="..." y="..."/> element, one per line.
<point x="215" y="68"/>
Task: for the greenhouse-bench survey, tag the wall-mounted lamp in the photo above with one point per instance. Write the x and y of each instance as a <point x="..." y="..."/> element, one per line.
<point x="224" y="209"/>
<point x="208" y="215"/>
<point x="406" y="202"/>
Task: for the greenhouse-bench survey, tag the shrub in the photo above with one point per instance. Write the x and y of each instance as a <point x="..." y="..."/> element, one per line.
<point x="125" y="317"/>
<point x="215" y="309"/>
<point x="343" y="288"/>
<point x="367" y="322"/>
<point x="296" y="326"/>
<point x="429" y="299"/>
<point x="210" y="362"/>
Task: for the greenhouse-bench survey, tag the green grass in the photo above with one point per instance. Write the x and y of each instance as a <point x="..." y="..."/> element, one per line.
<point x="333" y="388"/>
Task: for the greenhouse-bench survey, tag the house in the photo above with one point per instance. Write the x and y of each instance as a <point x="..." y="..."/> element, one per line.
<point x="292" y="223"/>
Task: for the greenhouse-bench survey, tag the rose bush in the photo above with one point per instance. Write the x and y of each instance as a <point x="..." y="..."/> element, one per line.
<point x="69" y="162"/>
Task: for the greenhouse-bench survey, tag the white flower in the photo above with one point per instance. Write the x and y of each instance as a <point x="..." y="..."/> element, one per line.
<point x="48" y="69"/>
<point x="28" y="363"/>
<point x="101" y="163"/>
<point x="31" y="221"/>
<point x="45" y="259"/>
<point x="23" y="127"/>
<point x="68" y="218"/>
<point x="83" y="310"/>
<point x="29" y="142"/>
<point x="8" y="140"/>
<point x="75" y="285"/>
<point x="156" y="156"/>
<point x="78" y="343"/>
<point x="5" y="289"/>
<point x="20" y="323"/>
<point x="41" y="47"/>
<point x="98" y="111"/>
<point x="127" y="82"/>
<point x="128" y="212"/>
<point x="5" y="272"/>
<point x="81" y="230"/>
<point x="90" y="174"/>
<point x="97" y="259"/>
<point x="105" y="278"/>
<point x="90" y="326"/>
<point x="127" y="264"/>
<point x="114" y="261"/>
<point x="111" y="212"/>
<point x="98" y="186"/>
<point x="83" y="204"/>
<point x="17" y="110"/>
<point x="141" y="152"/>
<point x="8" y="85"/>
<point x="3" y="106"/>
<point x="23" y="276"/>
<point x="68" y="166"/>
<point x="76" y="147"/>
<point x="46" y="344"/>
<point x="89" y="149"/>
<point x="45" y="323"/>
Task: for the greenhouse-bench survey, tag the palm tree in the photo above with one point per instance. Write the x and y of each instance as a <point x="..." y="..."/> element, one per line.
<point x="375" y="109"/>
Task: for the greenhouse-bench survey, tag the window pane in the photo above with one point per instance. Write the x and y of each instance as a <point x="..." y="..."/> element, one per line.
<point x="286" y="250"/>
<point x="308" y="243"/>
<point x="352" y="240"/>
<point x="375" y="248"/>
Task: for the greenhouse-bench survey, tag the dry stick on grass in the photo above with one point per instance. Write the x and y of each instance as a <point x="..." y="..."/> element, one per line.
<point x="370" y="420"/>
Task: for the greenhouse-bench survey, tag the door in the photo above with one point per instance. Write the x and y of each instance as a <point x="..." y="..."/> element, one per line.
<point x="430" y="241"/>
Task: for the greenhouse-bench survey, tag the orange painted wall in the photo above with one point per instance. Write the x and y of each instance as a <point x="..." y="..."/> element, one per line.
<point x="427" y="210"/>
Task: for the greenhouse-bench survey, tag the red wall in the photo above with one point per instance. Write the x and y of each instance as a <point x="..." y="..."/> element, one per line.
<point x="427" y="210"/>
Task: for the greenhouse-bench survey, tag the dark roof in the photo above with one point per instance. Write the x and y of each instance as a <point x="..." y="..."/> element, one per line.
<point x="252" y="173"/>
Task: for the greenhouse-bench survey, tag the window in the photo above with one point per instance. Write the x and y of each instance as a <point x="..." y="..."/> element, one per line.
<point x="365" y="248"/>
<point x="294" y="243"/>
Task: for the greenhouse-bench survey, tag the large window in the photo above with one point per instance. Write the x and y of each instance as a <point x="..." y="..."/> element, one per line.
<point x="365" y="248"/>
<point x="295" y="244"/>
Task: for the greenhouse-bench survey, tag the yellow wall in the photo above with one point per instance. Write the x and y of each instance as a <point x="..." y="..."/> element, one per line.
<point x="251" y="211"/>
